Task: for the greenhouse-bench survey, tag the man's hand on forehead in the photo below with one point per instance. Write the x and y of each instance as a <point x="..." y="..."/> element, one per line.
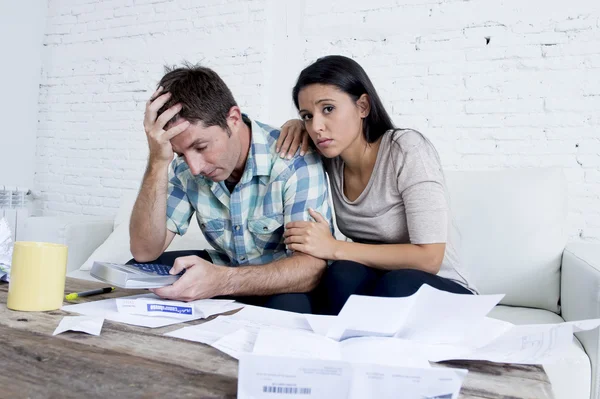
<point x="159" y="127"/>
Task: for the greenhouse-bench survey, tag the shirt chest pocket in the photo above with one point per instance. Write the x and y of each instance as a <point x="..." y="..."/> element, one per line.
<point x="214" y="231"/>
<point x="267" y="232"/>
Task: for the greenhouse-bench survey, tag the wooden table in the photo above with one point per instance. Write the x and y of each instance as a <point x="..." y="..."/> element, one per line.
<point x="128" y="361"/>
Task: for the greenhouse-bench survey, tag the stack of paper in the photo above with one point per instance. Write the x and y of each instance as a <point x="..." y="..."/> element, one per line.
<point x="431" y="325"/>
<point x="236" y="334"/>
<point x="131" y="310"/>
<point x="430" y="316"/>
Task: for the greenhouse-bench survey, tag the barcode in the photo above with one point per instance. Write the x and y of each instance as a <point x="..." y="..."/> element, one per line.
<point x="287" y="390"/>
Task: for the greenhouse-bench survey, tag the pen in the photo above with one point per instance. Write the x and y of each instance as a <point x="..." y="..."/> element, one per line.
<point x="75" y="295"/>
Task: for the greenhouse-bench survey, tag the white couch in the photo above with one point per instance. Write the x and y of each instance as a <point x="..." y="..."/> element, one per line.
<point x="513" y="241"/>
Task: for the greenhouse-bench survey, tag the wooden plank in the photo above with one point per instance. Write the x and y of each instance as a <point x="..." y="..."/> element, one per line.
<point x="36" y="366"/>
<point x="148" y="343"/>
<point x="501" y="381"/>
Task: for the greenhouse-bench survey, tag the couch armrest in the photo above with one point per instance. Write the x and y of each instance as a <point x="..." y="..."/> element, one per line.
<point x="80" y="233"/>
<point x="580" y="297"/>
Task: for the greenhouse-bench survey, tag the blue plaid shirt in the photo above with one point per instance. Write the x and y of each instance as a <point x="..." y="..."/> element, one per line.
<point x="245" y="227"/>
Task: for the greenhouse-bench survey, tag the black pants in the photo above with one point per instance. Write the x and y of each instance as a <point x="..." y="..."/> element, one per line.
<point x="344" y="278"/>
<point x="292" y="302"/>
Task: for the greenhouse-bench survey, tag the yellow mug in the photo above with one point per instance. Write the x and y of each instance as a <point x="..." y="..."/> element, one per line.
<point x="37" y="276"/>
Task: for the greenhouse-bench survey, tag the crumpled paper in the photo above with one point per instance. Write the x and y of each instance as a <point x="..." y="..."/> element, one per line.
<point x="6" y="248"/>
<point x="86" y="324"/>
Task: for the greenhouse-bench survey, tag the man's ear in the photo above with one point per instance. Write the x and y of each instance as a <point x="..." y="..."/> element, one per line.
<point x="234" y="118"/>
<point x="364" y="106"/>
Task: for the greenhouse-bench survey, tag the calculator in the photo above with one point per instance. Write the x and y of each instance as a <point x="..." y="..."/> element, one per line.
<point x="137" y="275"/>
<point x="155" y="268"/>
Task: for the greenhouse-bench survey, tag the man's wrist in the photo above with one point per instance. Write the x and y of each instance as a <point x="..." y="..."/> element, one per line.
<point x="226" y="281"/>
<point x="157" y="165"/>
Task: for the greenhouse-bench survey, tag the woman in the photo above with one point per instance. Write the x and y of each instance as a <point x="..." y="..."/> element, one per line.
<point x="388" y="191"/>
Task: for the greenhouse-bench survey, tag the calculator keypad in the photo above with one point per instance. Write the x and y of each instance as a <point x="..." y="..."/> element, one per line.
<point x="154" y="268"/>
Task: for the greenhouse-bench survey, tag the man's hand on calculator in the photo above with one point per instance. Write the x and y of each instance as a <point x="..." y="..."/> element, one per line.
<point x="201" y="280"/>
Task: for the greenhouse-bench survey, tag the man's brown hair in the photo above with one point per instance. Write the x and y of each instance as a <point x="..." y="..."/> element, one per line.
<point x="204" y="96"/>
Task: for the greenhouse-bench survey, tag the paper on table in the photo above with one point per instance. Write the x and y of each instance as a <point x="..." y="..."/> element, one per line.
<point x="430" y="315"/>
<point x="380" y="350"/>
<point x="383" y="382"/>
<point x="527" y="344"/>
<point x="387" y="351"/>
<point x="86" y="324"/>
<point x="237" y="333"/>
<point x="440" y="317"/>
<point x="296" y="343"/>
<point x="316" y="379"/>
<point x="272" y="317"/>
<point x="237" y="343"/>
<point x="333" y="379"/>
<point x="321" y="324"/>
<point x="484" y="331"/>
<point x="370" y="316"/>
<point x="213" y="330"/>
<point x="107" y="308"/>
<point x="174" y="309"/>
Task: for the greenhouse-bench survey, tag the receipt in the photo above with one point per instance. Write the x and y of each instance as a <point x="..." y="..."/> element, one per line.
<point x="155" y="307"/>
<point x="6" y="248"/>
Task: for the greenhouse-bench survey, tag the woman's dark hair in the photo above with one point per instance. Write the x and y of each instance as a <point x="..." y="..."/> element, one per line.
<point x="348" y="76"/>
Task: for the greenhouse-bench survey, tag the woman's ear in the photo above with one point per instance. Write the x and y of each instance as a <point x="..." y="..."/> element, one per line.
<point x="364" y="106"/>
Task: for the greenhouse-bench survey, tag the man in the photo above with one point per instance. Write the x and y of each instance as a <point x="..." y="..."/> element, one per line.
<point x="228" y="173"/>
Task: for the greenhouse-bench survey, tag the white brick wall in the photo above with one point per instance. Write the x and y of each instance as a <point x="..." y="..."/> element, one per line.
<point x="493" y="84"/>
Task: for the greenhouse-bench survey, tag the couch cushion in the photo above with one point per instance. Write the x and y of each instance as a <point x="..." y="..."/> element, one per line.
<point x="512" y="225"/>
<point x="571" y="377"/>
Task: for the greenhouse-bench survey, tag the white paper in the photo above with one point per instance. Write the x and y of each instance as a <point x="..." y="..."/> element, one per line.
<point x="237" y="333"/>
<point x="6" y="248"/>
<point x="298" y="343"/>
<point x="430" y="316"/>
<point x="175" y="309"/>
<point x="377" y="350"/>
<point x="321" y="324"/>
<point x="213" y="330"/>
<point x="371" y="316"/>
<point x="156" y="308"/>
<point x="385" y="382"/>
<point x="281" y="377"/>
<point x="527" y="344"/>
<point x="272" y="318"/>
<point x="277" y="376"/>
<point x="484" y="331"/>
<point x="440" y="317"/>
<point x="584" y="325"/>
<point x="236" y="343"/>
<point x="399" y="352"/>
<point x="86" y="324"/>
<point x="107" y="308"/>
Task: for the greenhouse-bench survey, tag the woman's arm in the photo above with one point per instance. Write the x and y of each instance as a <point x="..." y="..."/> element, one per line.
<point x="315" y="239"/>
<point x="425" y="257"/>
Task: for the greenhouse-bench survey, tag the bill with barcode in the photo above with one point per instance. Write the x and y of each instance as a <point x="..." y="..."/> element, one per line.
<point x="267" y="376"/>
<point x="286" y="390"/>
